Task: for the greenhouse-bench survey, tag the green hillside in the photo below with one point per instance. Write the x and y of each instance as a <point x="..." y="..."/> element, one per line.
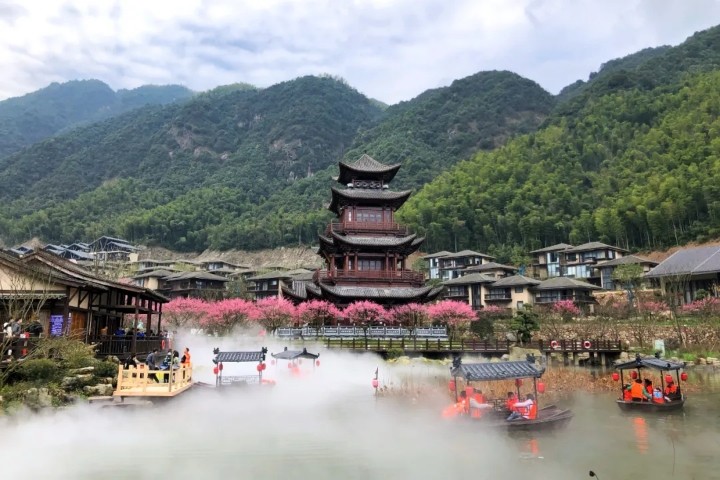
<point x="637" y="168"/>
<point x="164" y="174"/>
<point x="38" y="115"/>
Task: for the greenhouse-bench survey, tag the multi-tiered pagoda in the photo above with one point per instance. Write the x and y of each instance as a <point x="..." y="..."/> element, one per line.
<point x="365" y="251"/>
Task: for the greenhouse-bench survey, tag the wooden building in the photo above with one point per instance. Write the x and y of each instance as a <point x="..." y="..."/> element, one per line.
<point x="67" y="299"/>
<point x="365" y="250"/>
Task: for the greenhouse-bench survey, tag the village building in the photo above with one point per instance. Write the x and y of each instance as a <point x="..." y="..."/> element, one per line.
<point x="66" y="299"/>
<point x="195" y="284"/>
<point x="513" y="292"/>
<point x="558" y="289"/>
<point x="563" y="260"/>
<point x="688" y="272"/>
<point x="433" y="264"/>
<point x="471" y="288"/>
<point x="492" y="269"/>
<point x="365" y="250"/>
<point x="607" y="269"/>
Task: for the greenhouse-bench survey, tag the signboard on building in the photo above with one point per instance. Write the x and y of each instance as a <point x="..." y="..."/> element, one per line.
<point x="56" y="325"/>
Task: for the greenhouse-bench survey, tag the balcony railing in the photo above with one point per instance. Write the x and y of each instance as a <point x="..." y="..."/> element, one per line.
<point x="380" y="276"/>
<point x="366" y="227"/>
<point x="581" y="298"/>
<point x="497" y="297"/>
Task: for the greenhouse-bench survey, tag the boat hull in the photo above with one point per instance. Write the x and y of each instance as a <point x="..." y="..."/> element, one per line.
<point x="651" y="407"/>
<point x="548" y="418"/>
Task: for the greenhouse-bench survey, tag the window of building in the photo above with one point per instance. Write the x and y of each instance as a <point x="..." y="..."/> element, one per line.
<point x="456" y="291"/>
<point x="273" y="283"/>
<point x="369" y="215"/>
<point x="553" y="270"/>
<point x="520" y="305"/>
<point x="571" y="257"/>
<point x="552" y="257"/>
<point x="519" y="289"/>
<point x="370" y="264"/>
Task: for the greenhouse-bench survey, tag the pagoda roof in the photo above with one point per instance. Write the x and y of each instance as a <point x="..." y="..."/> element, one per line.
<point x="362" y="241"/>
<point x="404" y="293"/>
<point x="366" y="168"/>
<point x="366" y="196"/>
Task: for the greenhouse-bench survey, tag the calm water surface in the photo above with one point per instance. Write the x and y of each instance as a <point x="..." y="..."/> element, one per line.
<point x="330" y="426"/>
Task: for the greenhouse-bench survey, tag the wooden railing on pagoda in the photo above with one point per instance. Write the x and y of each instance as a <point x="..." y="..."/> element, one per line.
<point x="366" y="227"/>
<point x="379" y="276"/>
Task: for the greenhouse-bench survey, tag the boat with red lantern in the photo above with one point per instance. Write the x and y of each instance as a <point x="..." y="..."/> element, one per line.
<point x="295" y="358"/>
<point x="224" y="380"/>
<point x="495" y="415"/>
<point x="669" y="400"/>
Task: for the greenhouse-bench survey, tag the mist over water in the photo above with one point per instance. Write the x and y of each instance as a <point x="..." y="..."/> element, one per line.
<point x="328" y="424"/>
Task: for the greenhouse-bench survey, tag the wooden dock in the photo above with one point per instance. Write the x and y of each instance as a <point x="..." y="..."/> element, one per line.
<point x="139" y="382"/>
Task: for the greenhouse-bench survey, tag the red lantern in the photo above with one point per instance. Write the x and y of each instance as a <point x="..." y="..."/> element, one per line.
<point x="668" y="378"/>
<point x="633" y="375"/>
<point x="683" y="377"/>
<point x="451" y="385"/>
<point x="317" y="362"/>
<point x="220" y="366"/>
<point x="374" y="383"/>
<point x="518" y="382"/>
<point x="216" y="370"/>
<point x="615" y="376"/>
<point x="259" y="367"/>
<point x="289" y="365"/>
<point x="263" y="365"/>
<point x="272" y="362"/>
<point x="541" y="387"/>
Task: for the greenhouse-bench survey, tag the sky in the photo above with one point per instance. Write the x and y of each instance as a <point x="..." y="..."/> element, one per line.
<point x="391" y="50"/>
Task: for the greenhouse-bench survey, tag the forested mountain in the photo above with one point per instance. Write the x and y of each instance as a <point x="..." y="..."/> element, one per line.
<point x="165" y="174"/>
<point x="38" y="115"/>
<point x="250" y="168"/>
<point x="629" y="157"/>
<point x="632" y="158"/>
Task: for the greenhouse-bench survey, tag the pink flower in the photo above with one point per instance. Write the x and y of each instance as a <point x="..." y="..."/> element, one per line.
<point x="365" y="312"/>
<point x="274" y="312"/>
<point x="566" y="308"/>
<point x="410" y="314"/>
<point x="317" y="312"/>
<point x="451" y="312"/>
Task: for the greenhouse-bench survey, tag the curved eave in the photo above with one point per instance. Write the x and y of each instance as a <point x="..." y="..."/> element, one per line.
<point x="351" y="241"/>
<point x="348" y="173"/>
<point x="341" y="198"/>
<point x="292" y="295"/>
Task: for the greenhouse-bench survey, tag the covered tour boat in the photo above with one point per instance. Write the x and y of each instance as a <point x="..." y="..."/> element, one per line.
<point x="257" y="356"/>
<point x="294" y="359"/>
<point x="495" y="415"/>
<point x="667" y="401"/>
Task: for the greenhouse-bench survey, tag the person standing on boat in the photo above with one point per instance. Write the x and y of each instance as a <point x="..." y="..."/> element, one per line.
<point x="526" y="409"/>
<point x="150" y="361"/>
<point x="185" y="361"/>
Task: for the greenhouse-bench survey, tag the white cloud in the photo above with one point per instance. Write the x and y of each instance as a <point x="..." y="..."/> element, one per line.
<point x="388" y="49"/>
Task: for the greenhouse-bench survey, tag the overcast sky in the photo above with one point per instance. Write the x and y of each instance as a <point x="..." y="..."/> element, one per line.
<point x="391" y="50"/>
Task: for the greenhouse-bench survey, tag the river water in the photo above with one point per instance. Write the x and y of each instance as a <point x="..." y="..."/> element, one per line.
<point x="329" y="425"/>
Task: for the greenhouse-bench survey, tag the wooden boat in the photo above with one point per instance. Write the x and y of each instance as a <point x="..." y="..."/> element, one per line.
<point x="548" y="418"/>
<point x="141" y="382"/>
<point x="637" y="366"/>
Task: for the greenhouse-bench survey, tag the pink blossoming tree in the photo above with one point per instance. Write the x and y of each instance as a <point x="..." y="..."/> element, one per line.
<point x="365" y="313"/>
<point x="566" y="309"/>
<point x="184" y="313"/>
<point x="317" y="313"/>
<point x="456" y="315"/>
<point x="412" y="314"/>
<point x="274" y="313"/>
<point x="226" y="315"/>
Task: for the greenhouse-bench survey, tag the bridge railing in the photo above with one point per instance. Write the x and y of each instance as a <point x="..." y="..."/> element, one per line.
<point x="360" y="332"/>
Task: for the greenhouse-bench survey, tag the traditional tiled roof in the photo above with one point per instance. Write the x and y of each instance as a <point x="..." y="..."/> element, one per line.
<point x="477" y="372"/>
<point x="471" y="279"/>
<point x="626" y="260"/>
<point x="436" y="254"/>
<point x="366" y="167"/>
<point x="553" y="248"/>
<point x="515" y="281"/>
<point x="650" y="362"/>
<point x="361" y="241"/>
<point x="467" y="253"/>
<point x="195" y="276"/>
<point x="238" y="357"/>
<point x="689" y="261"/>
<point x="587" y="247"/>
<point x="341" y="197"/>
<point x="490" y="266"/>
<point x="159" y="273"/>
<point x="561" y="283"/>
<point x="269" y="276"/>
<point x="375" y="292"/>
<point x="293" y="354"/>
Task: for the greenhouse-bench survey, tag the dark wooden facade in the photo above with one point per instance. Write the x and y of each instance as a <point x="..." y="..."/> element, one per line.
<point x="365" y="250"/>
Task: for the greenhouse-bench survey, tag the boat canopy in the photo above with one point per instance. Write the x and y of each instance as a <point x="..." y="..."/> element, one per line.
<point x="293" y="354"/>
<point x="239" y="357"/>
<point x="650" y="362"/>
<point x="476" y="372"/>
